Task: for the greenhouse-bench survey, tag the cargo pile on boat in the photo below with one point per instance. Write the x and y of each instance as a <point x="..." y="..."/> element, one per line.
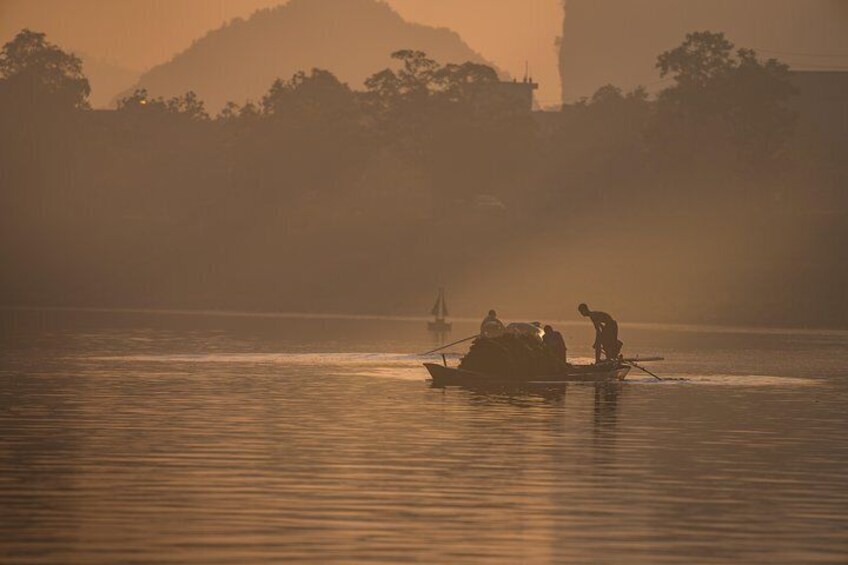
<point x="511" y="354"/>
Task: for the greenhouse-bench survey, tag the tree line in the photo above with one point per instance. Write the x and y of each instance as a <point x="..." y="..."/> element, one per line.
<point x="323" y="197"/>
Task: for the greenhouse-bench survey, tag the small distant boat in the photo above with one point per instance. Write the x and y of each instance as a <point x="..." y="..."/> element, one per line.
<point x="440" y="311"/>
<point x="610" y="371"/>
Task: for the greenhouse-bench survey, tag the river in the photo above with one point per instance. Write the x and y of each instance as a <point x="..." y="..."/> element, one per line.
<point x="129" y="437"/>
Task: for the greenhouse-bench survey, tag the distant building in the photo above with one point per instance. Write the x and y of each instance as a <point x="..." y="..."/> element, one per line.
<point x="520" y="93"/>
<point x="515" y="95"/>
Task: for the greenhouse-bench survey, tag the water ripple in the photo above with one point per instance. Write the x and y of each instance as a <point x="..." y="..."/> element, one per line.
<point x="162" y="452"/>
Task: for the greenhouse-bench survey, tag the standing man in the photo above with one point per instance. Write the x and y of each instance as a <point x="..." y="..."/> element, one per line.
<point x="606" y="333"/>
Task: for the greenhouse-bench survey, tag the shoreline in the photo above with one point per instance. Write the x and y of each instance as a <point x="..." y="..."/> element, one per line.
<point x="224" y="313"/>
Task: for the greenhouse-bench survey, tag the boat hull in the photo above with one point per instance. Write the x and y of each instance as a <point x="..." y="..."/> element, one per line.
<point x="439" y="326"/>
<point x="451" y="376"/>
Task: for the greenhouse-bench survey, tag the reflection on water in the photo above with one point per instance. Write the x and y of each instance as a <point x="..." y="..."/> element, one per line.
<point x="139" y="438"/>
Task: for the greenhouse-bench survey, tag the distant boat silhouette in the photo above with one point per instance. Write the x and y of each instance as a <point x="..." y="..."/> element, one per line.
<point x="440" y="311"/>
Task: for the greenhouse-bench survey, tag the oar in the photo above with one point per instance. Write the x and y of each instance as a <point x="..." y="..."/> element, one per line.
<point x="450" y="344"/>
<point x="642" y="359"/>
<point x="641" y="368"/>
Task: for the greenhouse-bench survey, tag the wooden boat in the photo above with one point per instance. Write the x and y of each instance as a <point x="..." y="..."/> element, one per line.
<point x="609" y="371"/>
<point x="440" y="311"/>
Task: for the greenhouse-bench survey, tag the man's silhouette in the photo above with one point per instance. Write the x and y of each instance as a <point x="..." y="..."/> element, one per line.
<point x="553" y="340"/>
<point x="606" y="333"/>
<point x="491" y="326"/>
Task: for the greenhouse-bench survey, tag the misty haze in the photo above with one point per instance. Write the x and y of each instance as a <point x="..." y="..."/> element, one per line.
<point x="224" y="225"/>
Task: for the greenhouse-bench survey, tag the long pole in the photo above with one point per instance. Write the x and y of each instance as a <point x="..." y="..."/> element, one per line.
<point x="641" y="368"/>
<point x="642" y="359"/>
<point x="450" y="344"/>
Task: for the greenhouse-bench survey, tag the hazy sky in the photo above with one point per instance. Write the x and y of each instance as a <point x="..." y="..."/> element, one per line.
<point x="139" y="34"/>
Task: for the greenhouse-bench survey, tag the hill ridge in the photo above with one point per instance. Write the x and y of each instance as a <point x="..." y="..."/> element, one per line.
<point x="351" y="38"/>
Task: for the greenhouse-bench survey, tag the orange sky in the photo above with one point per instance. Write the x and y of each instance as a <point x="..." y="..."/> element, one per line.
<point x="143" y="33"/>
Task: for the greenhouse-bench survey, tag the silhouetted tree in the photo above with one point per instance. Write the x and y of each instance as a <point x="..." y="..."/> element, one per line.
<point x="598" y="151"/>
<point x="474" y="89"/>
<point x="420" y="81"/>
<point x="229" y="113"/>
<point x="317" y="95"/>
<point x="140" y="101"/>
<point x="35" y="70"/>
<point x="276" y="202"/>
<point x="249" y="111"/>
<point x="721" y="95"/>
<point x="188" y="105"/>
<point x="392" y="94"/>
<point x="417" y="75"/>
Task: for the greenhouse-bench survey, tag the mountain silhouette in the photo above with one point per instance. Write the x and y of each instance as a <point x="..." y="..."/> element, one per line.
<point x="351" y="38"/>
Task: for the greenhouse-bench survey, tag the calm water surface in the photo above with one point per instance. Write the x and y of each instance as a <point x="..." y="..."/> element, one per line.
<point x="153" y="438"/>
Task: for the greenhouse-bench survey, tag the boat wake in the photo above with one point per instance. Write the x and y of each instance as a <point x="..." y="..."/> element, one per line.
<point x="723" y="380"/>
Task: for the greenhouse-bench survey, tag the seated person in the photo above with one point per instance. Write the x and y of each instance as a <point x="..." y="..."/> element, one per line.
<point x="491" y="327"/>
<point x="555" y="343"/>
